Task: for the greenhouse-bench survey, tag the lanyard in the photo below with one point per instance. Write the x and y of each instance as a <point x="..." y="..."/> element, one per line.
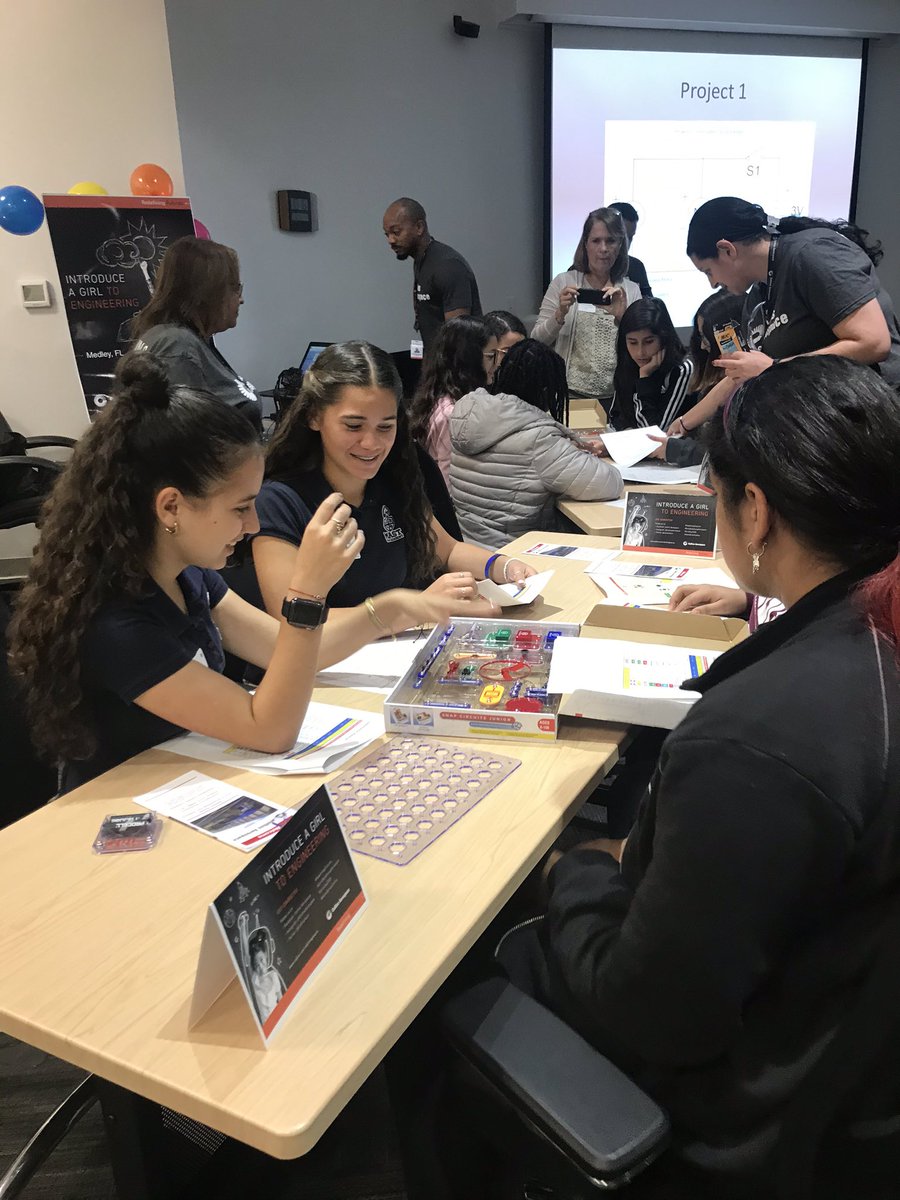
<point x="769" y="309"/>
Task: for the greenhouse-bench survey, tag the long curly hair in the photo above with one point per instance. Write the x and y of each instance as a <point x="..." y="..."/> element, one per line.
<point x="99" y="529"/>
<point x="453" y="367"/>
<point x="297" y="447"/>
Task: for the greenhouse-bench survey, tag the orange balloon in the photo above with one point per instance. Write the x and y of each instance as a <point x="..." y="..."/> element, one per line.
<point x="150" y="179"/>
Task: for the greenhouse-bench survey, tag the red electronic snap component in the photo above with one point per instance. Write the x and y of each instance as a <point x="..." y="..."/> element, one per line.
<point x="523" y="705"/>
<point x="505" y="668"/>
<point x="527" y="639"/>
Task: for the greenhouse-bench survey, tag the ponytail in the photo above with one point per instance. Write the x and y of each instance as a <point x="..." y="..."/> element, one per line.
<point x="98" y="529"/>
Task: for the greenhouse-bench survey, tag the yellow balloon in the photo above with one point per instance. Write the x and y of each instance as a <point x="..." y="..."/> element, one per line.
<point x="86" y="188"/>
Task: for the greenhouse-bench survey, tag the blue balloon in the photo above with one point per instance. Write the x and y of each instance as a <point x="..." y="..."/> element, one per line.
<point x="20" y="210"/>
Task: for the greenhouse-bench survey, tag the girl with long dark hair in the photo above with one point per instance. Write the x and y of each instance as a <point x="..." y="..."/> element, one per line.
<point x="348" y="431"/>
<point x="120" y="631"/>
<point x="462" y="358"/>
<point x="652" y="370"/>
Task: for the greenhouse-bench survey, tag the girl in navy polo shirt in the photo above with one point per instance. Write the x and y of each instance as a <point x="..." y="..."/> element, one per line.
<point x="119" y="632"/>
<point x="348" y="431"/>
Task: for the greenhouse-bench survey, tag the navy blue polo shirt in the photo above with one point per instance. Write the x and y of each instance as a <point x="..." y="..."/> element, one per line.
<point x="285" y="509"/>
<point x="133" y="644"/>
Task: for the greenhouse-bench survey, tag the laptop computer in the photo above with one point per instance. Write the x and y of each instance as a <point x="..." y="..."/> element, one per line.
<point x="311" y="353"/>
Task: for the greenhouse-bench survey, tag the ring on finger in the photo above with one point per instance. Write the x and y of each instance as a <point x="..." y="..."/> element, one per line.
<point x="339" y="525"/>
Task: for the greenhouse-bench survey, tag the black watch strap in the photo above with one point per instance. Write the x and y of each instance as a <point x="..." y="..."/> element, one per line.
<point x="304" y="614"/>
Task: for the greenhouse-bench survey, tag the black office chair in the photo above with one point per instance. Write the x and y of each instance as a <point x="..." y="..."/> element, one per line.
<point x="25" y="479"/>
<point x="563" y="1116"/>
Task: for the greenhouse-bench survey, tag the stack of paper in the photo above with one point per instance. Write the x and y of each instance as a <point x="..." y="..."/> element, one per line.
<point x="377" y="667"/>
<point x="631" y="445"/>
<point x="327" y="738"/>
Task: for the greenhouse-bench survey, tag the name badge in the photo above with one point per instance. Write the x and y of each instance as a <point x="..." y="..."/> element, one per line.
<point x="587" y="308"/>
<point x="200" y="658"/>
<point x="417" y="348"/>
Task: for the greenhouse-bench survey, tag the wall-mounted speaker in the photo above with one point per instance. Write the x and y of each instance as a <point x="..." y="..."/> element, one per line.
<point x="465" y="28"/>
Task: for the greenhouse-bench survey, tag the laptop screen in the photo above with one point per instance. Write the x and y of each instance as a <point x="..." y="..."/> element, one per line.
<point x="313" y="350"/>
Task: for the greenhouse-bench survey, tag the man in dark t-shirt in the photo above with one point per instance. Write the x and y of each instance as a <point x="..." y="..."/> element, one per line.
<point x="637" y="272"/>
<point x="443" y="282"/>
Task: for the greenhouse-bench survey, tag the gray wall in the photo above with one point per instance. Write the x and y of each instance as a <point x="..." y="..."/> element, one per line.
<point x="360" y="103"/>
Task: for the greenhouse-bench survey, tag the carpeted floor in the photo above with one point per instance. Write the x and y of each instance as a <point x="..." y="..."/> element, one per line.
<point x="357" y="1159"/>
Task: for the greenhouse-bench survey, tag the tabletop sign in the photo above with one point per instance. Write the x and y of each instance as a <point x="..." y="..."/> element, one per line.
<point x="280" y="918"/>
<point x="670" y="523"/>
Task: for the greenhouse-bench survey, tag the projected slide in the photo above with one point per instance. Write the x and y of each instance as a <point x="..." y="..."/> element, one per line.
<point x="667" y="130"/>
<point x="689" y="161"/>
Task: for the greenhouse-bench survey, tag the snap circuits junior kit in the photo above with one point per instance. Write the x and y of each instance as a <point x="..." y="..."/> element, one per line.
<point x="483" y="679"/>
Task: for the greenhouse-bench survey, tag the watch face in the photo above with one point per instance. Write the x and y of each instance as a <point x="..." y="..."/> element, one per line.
<point x="305" y="614"/>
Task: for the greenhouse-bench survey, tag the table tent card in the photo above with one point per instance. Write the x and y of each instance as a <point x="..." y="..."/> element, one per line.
<point x="281" y="917"/>
<point x="670" y="523"/>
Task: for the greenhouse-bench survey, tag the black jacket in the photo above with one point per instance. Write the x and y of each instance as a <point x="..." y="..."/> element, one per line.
<point x="717" y="961"/>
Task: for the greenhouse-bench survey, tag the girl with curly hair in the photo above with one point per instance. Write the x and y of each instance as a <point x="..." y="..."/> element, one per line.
<point x="348" y="431"/>
<point x="120" y="631"/>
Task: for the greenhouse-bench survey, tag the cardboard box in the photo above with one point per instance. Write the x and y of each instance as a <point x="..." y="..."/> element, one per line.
<point x="694" y="632"/>
<point x="430" y="706"/>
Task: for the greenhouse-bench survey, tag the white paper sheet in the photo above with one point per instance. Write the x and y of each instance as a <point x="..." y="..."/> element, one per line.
<point x="327" y="738"/>
<point x="375" y="668"/>
<point x="227" y="813"/>
<point x="573" y="553"/>
<point x="646" y="585"/>
<point x="648" y="670"/>
<point x="629" y="446"/>
<point x="659" y="473"/>
<point x="510" y="594"/>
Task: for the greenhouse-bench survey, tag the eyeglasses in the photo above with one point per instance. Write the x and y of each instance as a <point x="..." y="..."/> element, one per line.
<point x="491" y="355"/>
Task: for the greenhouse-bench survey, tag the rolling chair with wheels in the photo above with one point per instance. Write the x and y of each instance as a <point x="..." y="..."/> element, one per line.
<point x="570" y="1120"/>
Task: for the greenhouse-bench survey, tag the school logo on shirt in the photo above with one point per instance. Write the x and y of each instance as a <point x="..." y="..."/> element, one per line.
<point x="246" y="389"/>
<point x="392" y="531"/>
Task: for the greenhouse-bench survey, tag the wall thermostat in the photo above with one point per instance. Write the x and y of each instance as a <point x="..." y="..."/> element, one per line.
<point x="36" y="293"/>
<point x="297" y="212"/>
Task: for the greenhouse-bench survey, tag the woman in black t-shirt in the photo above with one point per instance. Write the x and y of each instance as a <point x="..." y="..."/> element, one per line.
<point x="813" y="290"/>
<point x="348" y="431"/>
<point x="114" y="636"/>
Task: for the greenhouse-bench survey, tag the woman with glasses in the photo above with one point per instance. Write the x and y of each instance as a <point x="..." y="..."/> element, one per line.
<point x="582" y="307"/>
<point x="462" y="358"/>
<point x="507" y="329"/>
<point x="197" y="294"/>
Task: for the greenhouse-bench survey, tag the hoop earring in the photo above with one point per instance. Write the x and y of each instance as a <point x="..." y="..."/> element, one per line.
<point x="173" y="529"/>
<point x="756" y="555"/>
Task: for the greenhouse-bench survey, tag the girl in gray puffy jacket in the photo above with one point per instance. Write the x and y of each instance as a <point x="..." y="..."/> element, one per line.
<point x="512" y="455"/>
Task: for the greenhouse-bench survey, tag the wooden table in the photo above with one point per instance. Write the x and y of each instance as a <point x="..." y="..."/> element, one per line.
<point x="99" y="953"/>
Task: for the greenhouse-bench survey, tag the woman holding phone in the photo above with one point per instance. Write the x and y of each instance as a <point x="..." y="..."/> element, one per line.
<point x="582" y="307"/>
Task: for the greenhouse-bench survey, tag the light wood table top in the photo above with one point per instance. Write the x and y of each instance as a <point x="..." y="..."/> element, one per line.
<point x="100" y="952"/>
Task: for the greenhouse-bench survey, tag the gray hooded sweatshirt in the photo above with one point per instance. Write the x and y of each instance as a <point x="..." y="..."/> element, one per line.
<point x="509" y="464"/>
